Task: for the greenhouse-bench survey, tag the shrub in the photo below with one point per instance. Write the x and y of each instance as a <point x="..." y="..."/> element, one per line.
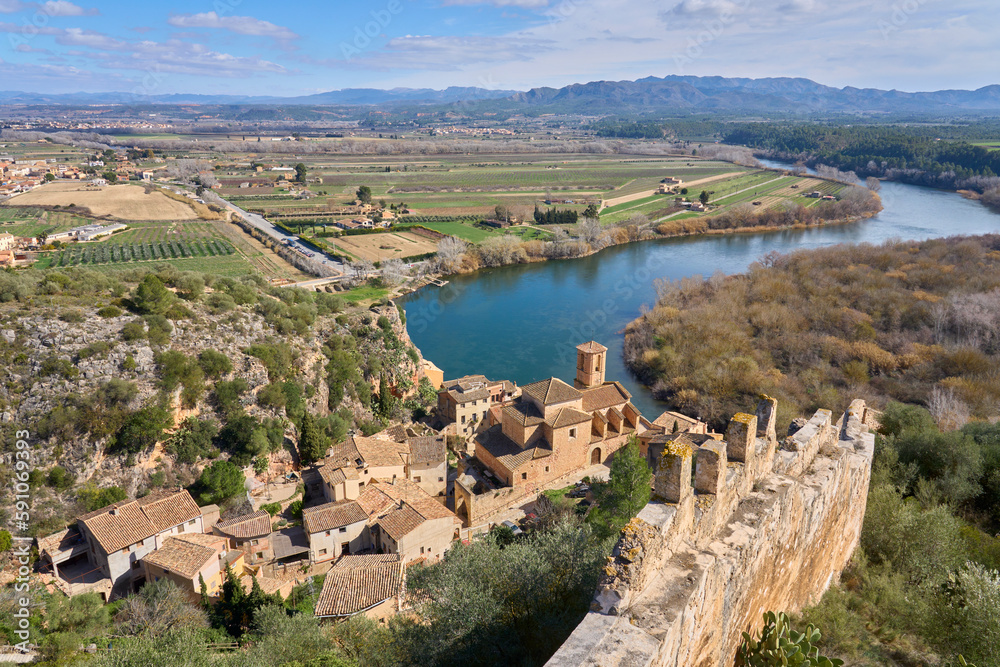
<point x="218" y="482"/>
<point x="271" y="508"/>
<point x="141" y="430"/>
<point x="133" y="330"/>
<point x="214" y="363"/>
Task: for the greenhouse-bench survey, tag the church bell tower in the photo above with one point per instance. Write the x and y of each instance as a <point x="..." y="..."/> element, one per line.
<point x="590" y="362"/>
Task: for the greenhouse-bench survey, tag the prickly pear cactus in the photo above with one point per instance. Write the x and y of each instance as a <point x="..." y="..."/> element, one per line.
<point x="780" y="645"/>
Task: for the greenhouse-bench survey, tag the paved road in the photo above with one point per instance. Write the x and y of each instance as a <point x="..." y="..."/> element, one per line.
<point x="287" y="239"/>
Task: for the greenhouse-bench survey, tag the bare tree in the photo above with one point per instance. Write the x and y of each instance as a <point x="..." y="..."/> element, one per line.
<point x="450" y="253"/>
<point x="591" y="231"/>
<point x="873" y="184"/>
<point x="949" y="411"/>
<point x="394" y="271"/>
<point x="361" y="268"/>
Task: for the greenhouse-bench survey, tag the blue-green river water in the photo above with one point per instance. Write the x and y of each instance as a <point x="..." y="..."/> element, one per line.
<point x="523" y="322"/>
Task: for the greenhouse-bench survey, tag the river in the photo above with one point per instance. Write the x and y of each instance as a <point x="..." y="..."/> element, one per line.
<point x="523" y="322"/>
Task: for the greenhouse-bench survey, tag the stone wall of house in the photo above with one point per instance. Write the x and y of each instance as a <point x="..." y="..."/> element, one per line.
<point x="766" y="525"/>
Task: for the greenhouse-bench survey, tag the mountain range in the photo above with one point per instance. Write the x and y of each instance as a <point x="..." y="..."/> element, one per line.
<point x="650" y="94"/>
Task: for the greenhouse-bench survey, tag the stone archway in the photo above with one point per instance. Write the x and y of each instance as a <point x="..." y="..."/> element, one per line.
<point x="595" y="456"/>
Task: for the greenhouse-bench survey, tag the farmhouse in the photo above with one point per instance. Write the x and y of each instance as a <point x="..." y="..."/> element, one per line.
<point x="396" y="517"/>
<point x="104" y="550"/>
<point x="250" y="533"/>
<point x="191" y="558"/>
<point x="389" y="455"/>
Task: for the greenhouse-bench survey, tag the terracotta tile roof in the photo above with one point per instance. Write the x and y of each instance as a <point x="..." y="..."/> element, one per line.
<point x="373" y="501"/>
<point x="400" y="522"/>
<point x="428" y="450"/>
<point x="605" y="396"/>
<point x="165" y="510"/>
<point x="524" y="413"/>
<point x="357" y="583"/>
<point x="667" y="419"/>
<point x="267" y="584"/>
<point x="257" y="524"/>
<point x="375" y="452"/>
<point x="118" y="526"/>
<point x="411" y="493"/>
<point x="332" y="515"/>
<point x="592" y="346"/>
<point x="569" y="416"/>
<point x="551" y="391"/>
<point x="186" y="555"/>
<point x="507" y="452"/>
<point x="396" y="433"/>
<point x="333" y="476"/>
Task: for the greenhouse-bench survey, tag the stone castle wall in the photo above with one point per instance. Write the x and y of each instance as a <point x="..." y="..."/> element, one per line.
<point x="764" y="526"/>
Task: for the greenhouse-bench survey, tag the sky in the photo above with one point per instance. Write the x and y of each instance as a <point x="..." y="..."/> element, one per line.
<point x="250" y="47"/>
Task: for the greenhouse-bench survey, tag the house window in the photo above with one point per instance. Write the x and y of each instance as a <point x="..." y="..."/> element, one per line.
<point x="260" y="554"/>
<point x="463" y="419"/>
<point x="421" y="550"/>
<point x="345" y="549"/>
<point x="328" y="533"/>
<point x="440" y="479"/>
<point x="342" y="529"/>
<point x="546" y="468"/>
<point x="416" y="479"/>
<point x="572" y="434"/>
<point x="191" y="522"/>
<point x="322" y="552"/>
<point x="254" y="542"/>
<point x="524" y="475"/>
<point x="180" y="528"/>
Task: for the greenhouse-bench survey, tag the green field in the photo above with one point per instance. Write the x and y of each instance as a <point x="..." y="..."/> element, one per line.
<point x="33" y="222"/>
<point x="123" y="253"/>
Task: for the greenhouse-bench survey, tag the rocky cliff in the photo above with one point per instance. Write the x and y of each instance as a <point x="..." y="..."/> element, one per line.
<point x="764" y="526"/>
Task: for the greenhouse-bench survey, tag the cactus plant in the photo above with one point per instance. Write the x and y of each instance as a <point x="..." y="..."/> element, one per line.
<point x="778" y="644"/>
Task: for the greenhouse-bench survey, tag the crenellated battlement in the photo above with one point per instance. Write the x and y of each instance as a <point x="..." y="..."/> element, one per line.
<point x="761" y="524"/>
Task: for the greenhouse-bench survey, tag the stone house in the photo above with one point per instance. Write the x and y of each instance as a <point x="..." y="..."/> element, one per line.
<point x="389" y="455"/>
<point x="111" y="542"/>
<point x="189" y="559"/>
<point x="466" y="401"/>
<point x="372" y="585"/>
<point x="250" y="533"/>
<point x="405" y="520"/>
<point x="335" y="530"/>
<point x="427" y="466"/>
<point x="554" y="429"/>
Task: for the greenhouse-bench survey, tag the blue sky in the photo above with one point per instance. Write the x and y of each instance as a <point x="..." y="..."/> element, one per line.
<point x="294" y="48"/>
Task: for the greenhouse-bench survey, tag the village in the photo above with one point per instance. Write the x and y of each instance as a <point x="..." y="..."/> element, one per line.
<point x="375" y="505"/>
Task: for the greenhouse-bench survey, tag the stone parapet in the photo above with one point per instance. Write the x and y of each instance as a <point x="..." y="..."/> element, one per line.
<point x="687" y="578"/>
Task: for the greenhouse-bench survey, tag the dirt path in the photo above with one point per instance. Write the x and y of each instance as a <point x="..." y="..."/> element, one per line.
<point x="649" y="193"/>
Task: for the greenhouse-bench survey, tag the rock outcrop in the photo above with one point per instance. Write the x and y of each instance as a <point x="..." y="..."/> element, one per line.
<point x="766" y="526"/>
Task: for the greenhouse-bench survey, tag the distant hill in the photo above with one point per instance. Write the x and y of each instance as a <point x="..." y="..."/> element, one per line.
<point x="346" y="97"/>
<point x="651" y="94"/>
<point x="789" y="95"/>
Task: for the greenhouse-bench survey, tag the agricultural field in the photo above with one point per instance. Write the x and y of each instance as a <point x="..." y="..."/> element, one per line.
<point x="770" y="188"/>
<point x="378" y="247"/>
<point x="123" y="253"/>
<point x="33" y="222"/>
<point x="474" y="185"/>
<point x="123" y="201"/>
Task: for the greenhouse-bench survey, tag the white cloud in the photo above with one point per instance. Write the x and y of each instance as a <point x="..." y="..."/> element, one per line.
<point x="64" y="8"/>
<point x="427" y="52"/>
<point x="11" y="6"/>
<point x="242" y="25"/>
